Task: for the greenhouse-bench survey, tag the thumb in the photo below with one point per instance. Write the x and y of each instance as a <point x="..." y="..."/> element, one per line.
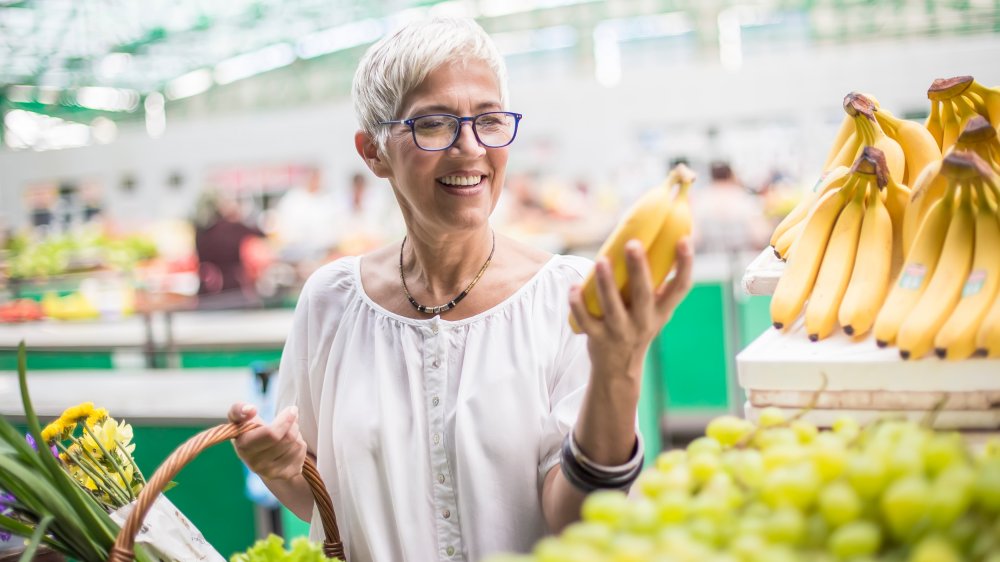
<point x="241" y="412"/>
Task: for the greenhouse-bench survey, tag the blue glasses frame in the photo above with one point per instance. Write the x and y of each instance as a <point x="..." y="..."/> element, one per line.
<point x="461" y="120"/>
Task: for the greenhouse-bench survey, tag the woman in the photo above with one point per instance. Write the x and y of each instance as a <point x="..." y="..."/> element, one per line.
<point x="440" y="422"/>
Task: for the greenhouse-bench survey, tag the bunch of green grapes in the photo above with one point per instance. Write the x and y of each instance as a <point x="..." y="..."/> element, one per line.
<point x="783" y="491"/>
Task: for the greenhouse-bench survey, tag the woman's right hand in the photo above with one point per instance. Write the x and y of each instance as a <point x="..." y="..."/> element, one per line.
<point x="274" y="452"/>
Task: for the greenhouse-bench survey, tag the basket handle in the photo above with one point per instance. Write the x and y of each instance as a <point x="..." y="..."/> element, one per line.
<point x="122" y="551"/>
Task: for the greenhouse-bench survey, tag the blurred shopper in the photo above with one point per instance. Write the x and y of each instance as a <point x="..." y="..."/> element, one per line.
<point x="727" y="217"/>
<point x="451" y="410"/>
<point x="221" y="240"/>
<point x="305" y="222"/>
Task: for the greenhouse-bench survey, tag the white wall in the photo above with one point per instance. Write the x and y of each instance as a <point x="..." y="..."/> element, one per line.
<point x="592" y="130"/>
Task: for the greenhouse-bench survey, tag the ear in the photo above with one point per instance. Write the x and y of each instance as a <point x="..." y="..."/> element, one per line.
<point x="368" y="150"/>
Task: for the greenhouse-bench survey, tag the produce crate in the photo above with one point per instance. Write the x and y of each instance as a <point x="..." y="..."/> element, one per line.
<point x="841" y="376"/>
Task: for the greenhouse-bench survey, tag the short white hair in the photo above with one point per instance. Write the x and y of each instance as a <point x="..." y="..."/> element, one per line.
<point x="398" y="63"/>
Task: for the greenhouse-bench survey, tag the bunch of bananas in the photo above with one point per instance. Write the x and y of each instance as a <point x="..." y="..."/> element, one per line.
<point x="955" y="101"/>
<point x="946" y="296"/>
<point x="843" y="257"/>
<point x="907" y="149"/>
<point x="658" y="220"/>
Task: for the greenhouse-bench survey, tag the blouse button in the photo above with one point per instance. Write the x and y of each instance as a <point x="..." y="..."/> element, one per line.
<point x="436" y="438"/>
<point x="450" y="550"/>
<point x="434" y="328"/>
<point x="435" y="401"/>
<point x="435" y="363"/>
<point x="441" y="478"/>
<point x="446" y="514"/>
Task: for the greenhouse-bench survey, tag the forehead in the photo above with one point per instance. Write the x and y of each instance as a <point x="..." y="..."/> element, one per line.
<point x="454" y="86"/>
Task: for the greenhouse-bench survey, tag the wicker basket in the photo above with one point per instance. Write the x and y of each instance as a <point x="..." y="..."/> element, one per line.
<point x="122" y="551"/>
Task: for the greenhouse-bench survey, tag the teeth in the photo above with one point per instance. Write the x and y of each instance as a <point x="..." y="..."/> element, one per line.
<point x="461" y="180"/>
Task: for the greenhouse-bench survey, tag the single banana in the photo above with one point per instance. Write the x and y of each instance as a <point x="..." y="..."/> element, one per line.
<point x="642" y="222"/>
<point x="838" y="263"/>
<point x="848" y="152"/>
<point x="783" y="247"/>
<point x="870" y="275"/>
<point x="991" y="99"/>
<point x="944" y="290"/>
<point x="965" y="110"/>
<point x="951" y="125"/>
<point x="933" y="124"/>
<point x="863" y="111"/>
<point x="957" y="338"/>
<point x="919" y="146"/>
<point x="988" y="338"/>
<point x="920" y="263"/>
<point x="662" y="253"/>
<point x="843" y="134"/>
<point x="829" y="180"/>
<point x="897" y="199"/>
<point x="803" y="264"/>
<point x="929" y="187"/>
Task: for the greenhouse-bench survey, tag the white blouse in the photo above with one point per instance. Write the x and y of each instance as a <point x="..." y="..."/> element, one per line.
<point x="434" y="436"/>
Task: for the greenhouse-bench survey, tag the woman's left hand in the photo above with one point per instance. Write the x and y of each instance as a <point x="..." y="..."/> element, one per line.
<point x="618" y="341"/>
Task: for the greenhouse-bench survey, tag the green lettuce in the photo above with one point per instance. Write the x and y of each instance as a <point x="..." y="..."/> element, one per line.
<point x="272" y="549"/>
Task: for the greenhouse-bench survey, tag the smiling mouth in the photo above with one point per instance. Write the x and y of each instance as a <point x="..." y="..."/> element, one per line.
<point x="461" y="181"/>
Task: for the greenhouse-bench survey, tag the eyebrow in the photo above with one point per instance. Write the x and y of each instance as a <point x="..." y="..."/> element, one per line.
<point x="429" y="109"/>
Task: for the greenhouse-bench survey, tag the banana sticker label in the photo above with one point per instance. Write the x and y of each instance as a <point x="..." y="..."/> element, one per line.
<point x="913" y="276"/>
<point x="974" y="283"/>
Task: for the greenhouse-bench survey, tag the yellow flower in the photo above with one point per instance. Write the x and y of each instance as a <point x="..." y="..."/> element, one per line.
<point x="52" y="431"/>
<point x="58" y="430"/>
<point x="97" y="416"/>
<point x="78" y="413"/>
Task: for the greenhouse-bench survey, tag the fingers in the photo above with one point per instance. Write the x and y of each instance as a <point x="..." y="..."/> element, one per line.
<point x="671" y="292"/>
<point x="608" y="294"/>
<point x="586" y="321"/>
<point x="275" y="450"/>
<point x="240" y="412"/>
<point x="639" y="277"/>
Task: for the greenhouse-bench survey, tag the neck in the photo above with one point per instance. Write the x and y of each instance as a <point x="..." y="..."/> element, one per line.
<point x="442" y="266"/>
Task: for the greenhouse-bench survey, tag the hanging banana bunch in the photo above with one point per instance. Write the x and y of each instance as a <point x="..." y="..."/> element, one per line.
<point x="945" y="298"/>
<point x="658" y="220"/>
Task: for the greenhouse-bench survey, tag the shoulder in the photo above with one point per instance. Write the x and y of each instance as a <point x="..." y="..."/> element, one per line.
<point x="331" y="283"/>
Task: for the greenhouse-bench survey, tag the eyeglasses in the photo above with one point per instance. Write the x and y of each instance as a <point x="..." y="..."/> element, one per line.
<point x="439" y="131"/>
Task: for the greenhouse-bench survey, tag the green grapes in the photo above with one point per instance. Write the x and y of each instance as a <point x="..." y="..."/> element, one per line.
<point x="786" y="491"/>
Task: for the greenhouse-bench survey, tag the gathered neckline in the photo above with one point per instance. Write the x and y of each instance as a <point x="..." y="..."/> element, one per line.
<point x="436" y="319"/>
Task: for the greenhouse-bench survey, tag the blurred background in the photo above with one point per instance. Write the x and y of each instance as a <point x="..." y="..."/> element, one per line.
<point x="172" y="171"/>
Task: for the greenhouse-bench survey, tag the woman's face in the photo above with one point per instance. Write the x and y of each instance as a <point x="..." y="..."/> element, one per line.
<point x="456" y="188"/>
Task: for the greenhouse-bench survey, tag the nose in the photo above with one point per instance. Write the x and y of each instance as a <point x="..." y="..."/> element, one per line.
<point x="467" y="141"/>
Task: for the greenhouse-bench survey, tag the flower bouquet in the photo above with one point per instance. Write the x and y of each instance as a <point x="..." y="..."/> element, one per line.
<point x="68" y="487"/>
<point x="73" y="488"/>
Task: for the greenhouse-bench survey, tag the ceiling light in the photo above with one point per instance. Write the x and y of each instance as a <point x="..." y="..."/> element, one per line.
<point x="113" y="64"/>
<point x="20" y="94"/>
<point x="190" y="84"/>
<point x="254" y="63"/>
<point x="339" y="38"/>
<point x="107" y="99"/>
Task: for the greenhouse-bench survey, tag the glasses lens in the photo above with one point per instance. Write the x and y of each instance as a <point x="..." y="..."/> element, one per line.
<point x="496" y="128"/>
<point x="434" y="132"/>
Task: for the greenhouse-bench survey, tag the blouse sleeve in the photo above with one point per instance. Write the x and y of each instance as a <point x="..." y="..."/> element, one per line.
<point x="294" y="388"/>
<point x="569" y="376"/>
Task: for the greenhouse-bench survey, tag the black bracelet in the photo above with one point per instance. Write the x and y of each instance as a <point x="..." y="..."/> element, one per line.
<point x="588" y="476"/>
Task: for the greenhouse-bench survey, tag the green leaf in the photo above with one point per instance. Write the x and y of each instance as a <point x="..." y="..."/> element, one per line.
<point x="101" y="529"/>
<point x="36" y="539"/>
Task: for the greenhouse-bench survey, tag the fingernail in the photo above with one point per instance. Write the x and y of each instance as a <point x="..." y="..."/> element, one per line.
<point x="633" y="245"/>
<point x="294" y="410"/>
<point x="247" y="408"/>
